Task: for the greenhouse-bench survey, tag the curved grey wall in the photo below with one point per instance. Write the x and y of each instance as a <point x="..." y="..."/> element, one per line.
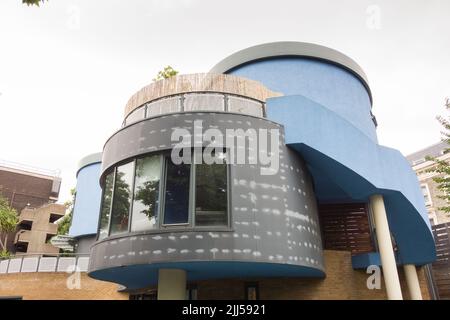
<point x="273" y="217"/>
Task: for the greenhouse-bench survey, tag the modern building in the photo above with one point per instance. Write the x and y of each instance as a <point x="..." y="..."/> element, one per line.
<point x="28" y="188"/>
<point x="429" y="188"/>
<point x="169" y="226"/>
<point x="262" y="179"/>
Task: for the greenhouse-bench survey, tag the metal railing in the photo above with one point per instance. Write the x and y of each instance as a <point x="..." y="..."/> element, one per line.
<point x="69" y="262"/>
<point x="197" y="101"/>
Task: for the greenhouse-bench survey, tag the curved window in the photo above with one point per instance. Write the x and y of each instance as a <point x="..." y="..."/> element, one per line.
<point x="155" y="194"/>
<point x="146" y="193"/>
<point x="211" y="195"/>
<point x="176" y="210"/>
<point x="122" y="198"/>
<point x="106" y="206"/>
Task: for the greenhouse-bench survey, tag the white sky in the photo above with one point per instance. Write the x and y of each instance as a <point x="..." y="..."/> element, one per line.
<point x="68" y="68"/>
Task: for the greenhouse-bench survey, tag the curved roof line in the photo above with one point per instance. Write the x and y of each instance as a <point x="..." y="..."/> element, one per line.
<point x="88" y="160"/>
<point x="292" y="48"/>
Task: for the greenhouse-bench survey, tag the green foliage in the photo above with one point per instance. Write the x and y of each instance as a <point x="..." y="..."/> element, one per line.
<point x="121" y="201"/>
<point x="32" y="2"/>
<point x="65" y="223"/>
<point x="148" y="195"/>
<point x="166" y="73"/>
<point x="8" y="221"/>
<point x="442" y="168"/>
<point x="4" y="254"/>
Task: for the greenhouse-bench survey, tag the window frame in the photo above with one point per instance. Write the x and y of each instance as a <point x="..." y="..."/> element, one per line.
<point x="160" y="226"/>
<point x="113" y="172"/>
<point x="163" y="204"/>
<point x="131" y="199"/>
<point x="160" y="191"/>
<point x="249" y="285"/>
<point x="194" y="191"/>
<point x="428" y="203"/>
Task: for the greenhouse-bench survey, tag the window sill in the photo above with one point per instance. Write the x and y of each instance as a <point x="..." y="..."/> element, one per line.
<point x="165" y="230"/>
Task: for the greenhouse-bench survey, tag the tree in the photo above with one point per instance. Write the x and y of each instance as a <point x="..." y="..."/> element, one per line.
<point x="442" y="167"/>
<point x="32" y="2"/>
<point x="166" y="73"/>
<point x="8" y="223"/>
<point x="65" y="223"/>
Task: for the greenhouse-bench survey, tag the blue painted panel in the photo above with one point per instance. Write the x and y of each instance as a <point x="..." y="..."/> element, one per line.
<point x="332" y="86"/>
<point x="362" y="261"/>
<point x="339" y="152"/>
<point x="87" y="203"/>
<point x="145" y="275"/>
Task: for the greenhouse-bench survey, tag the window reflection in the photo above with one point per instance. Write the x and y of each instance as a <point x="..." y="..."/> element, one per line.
<point x="106" y="206"/>
<point x="176" y="208"/>
<point x="211" y="195"/>
<point x="208" y="191"/>
<point x="146" y="193"/>
<point x="122" y="198"/>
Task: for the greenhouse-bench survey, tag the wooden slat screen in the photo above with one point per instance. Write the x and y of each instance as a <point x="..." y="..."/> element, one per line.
<point x="346" y="227"/>
<point x="441" y="267"/>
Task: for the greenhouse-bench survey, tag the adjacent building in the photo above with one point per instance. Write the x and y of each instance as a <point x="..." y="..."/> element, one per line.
<point x="170" y="226"/>
<point x="30" y="190"/>
<point x="429" y="188"/>
<point x="35" y="229"/>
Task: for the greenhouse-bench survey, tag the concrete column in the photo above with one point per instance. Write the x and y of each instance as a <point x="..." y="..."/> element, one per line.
<point x="412" y="281"/>
<point x="392" y="282"/>
<point x="171" y="284"/>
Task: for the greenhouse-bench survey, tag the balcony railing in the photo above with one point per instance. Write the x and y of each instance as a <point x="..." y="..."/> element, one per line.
<point x="197" y="101"/>
<point x="40" y="263"/>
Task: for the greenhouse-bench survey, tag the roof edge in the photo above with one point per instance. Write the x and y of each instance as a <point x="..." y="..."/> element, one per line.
<point x="292" y="48"/>
<point x="88" y="160"/>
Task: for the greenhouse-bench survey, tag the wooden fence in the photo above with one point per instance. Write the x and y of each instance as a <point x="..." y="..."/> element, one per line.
<point x="440" y="270"/>
<point x="346" y="227"/>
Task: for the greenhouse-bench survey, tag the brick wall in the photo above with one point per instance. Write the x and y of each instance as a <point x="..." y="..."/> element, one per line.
<point x="53" y="286"/>
<point x="341" y="282"/>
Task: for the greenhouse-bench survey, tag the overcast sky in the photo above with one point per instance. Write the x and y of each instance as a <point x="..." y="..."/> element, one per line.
<point x="68" y="68"/>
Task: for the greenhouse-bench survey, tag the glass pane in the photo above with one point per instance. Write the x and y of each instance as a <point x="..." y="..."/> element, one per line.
<point x="122" y="198"/>
<point x="146" y="193"/>
<point x="176" y="209"/>
<point x="163" y="106"/>
<point x="136" y="115"/>
<point x="203" y="101"/>
<point x="211" y="195"/>
<point x="247" y="106"/>
<point x="252" y="293"/>
<point x="106" y="206"/>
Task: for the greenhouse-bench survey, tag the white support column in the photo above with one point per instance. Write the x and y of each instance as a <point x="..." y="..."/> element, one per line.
<point x="171" y="284"/>
<point x="412" y="281"/>
<point x="391" y="279"/>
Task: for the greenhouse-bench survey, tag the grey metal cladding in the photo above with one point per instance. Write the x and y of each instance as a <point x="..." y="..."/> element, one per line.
<point x="274" y="218"/>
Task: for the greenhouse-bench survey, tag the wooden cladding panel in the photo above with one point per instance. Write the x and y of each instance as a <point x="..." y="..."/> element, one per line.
<point x="346" y="227"/>
<point x="199" y="82"/>
<point x="441" y="267"/>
